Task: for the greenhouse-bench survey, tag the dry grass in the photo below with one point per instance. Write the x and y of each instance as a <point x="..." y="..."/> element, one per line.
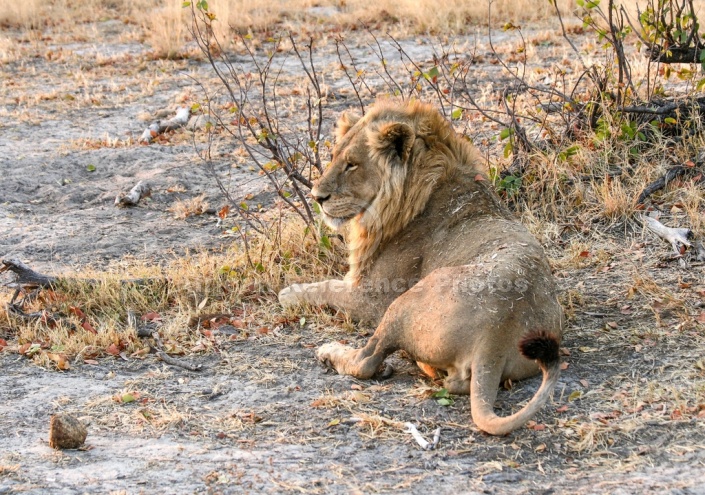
<point x="87" y="316"/>
<point x="165" y="25"/>
<point x="183" y="209"/>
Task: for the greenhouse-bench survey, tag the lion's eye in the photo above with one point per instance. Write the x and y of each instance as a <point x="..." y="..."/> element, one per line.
<point x="350" y="167"/>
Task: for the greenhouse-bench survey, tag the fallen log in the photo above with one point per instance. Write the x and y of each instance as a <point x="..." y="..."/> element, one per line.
<point x="31" y="282"/>
<point x="160" y="127"/>
<point x="661" y="182"/>
<point x="26" y="277"/>
<point x="141" y="190"/>
<point x="675" y="55"/>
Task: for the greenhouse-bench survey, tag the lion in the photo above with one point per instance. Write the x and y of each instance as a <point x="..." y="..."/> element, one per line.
<point x="442" y="269"/>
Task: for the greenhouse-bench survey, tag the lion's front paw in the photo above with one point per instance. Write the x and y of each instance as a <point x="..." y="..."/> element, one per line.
<point x="289" y="297"/>
<point x="335" y="355"/>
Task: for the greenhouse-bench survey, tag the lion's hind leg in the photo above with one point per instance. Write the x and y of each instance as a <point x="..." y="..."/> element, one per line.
<point x="360" y="363"/>
<point x="364" y="363"/>
<point x="457" y="382"/>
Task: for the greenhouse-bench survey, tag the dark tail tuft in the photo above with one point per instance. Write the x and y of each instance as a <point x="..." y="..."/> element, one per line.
<point x="540" y="345"/>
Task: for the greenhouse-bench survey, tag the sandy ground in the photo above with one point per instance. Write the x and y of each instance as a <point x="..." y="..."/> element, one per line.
<point x="263" y="416"/>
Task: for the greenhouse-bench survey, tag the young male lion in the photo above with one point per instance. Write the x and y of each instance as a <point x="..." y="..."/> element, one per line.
<point x="436" y="262"/>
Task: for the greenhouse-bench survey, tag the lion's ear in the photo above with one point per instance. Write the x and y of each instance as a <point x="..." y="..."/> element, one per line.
<point x="395" y="139"/>
<point x="345" y="122"/>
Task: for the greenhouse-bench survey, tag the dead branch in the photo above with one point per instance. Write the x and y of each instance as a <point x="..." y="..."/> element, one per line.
<point x="665" y="107"/>
<point x="662" y="182"/>
<point x="423" y="443"/>
<point x="157" y="128"/>
<point x="141" y="190"/>
<point x="159" y="349"/>
<point x="675" y="55"/>
<point x="32" y="282"/>
<point x="699" y="251"/>
<point x="26" y="277"/>
<point x="677" y="237"/>
<point x="31" y="279"/>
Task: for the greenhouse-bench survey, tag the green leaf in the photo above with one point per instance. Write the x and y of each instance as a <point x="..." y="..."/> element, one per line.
<point x="576" y="394"/>
<point x="302" y="321"/>
<point x="186" y="4"/>
<point x="325" y="242"/>
<point x="33" y="349"/>
<point x="127" y="398"/>
<point x="505" y="133"/>
<point x="316" y="208"/>
<point x="259" y="267"/>
<point x="444" y="402"/>
<point x="456" y="114"/>
<point x="91" y="168"/>
<point x="244" y="206"/>
<point x="508" y="148"/>
<point x="670" y="120"/>
<point x="441" y="394"/>
<point x="432" y="74"/>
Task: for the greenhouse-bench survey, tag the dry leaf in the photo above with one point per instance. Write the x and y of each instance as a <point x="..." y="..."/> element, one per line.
<point x="89" y="328"/>
<point x="113" y="350"/>
<point x="223" y="212"/>
<point x="60" y="360"/>
<point x="77" y="312"/>
<point x="151" y="316"/>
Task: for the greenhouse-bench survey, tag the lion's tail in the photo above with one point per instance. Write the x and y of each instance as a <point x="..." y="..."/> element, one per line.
<point x="539" y="345"/>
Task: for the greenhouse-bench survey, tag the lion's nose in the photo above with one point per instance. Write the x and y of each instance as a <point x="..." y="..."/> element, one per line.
<point x="320" y="199"/>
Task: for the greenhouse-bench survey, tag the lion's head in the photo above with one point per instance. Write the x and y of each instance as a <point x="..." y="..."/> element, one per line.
<point x="384" y="168"/>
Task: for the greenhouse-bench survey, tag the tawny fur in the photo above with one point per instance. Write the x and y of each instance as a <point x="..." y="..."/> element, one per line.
<point x="436" y="262"/>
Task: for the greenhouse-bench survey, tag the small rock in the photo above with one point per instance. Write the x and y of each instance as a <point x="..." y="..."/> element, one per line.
<point x="66" y="432"/>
